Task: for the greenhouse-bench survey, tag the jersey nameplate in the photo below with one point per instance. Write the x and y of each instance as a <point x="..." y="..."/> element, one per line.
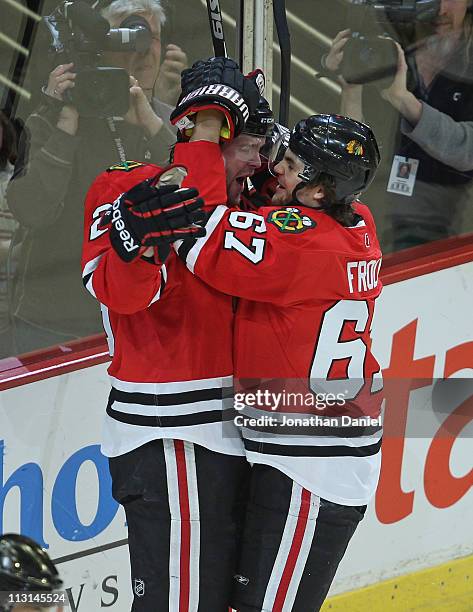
<point x="290" y="220"/>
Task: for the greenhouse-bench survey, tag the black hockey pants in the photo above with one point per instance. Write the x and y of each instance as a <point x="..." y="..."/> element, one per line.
<point x="292" y="544"/>
<point x="185" y="507"/>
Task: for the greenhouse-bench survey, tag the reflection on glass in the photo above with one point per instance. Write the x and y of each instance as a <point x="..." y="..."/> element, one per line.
<point x="99" y="89"/>
<point x="414" y="88"/>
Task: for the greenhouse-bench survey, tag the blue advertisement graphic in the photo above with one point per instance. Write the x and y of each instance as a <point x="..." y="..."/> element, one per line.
<point x="30" y="482"/>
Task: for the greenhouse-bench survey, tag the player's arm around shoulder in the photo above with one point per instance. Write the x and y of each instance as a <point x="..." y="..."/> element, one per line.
<point x="206" y="170"/>
<point x="264" y="255"/>
<point x="124" y="287"/>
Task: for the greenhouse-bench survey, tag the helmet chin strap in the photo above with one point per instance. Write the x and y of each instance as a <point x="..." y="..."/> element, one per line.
<point x="303" y="182"/>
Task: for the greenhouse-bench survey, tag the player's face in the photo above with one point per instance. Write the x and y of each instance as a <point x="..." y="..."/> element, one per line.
<point x="451" y="16"/>
<point x="242" y="158"/>
<point x="143" y="66"/>
<point x="287" y="173"/>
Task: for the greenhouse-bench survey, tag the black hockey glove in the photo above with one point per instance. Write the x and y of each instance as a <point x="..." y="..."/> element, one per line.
<point x="150" y="216"/>
<point x="216" y="83"/>
<point x="258" y="78"/>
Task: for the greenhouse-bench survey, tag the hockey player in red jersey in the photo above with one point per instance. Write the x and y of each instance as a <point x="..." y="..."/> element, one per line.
<point x="307" y="272"/>
<point x="180" y="479"/>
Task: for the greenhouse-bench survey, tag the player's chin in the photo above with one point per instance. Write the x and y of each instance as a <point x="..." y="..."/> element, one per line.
<point x="280" y="196"/>
<point x="234" y="191"/>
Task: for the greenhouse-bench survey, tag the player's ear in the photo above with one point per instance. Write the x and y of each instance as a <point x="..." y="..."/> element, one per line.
<point x="318" y="194"/>
<point x="311" y="196"/>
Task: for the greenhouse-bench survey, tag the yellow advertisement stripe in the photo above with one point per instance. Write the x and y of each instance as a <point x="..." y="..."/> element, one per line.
<point x="447" y="587"/>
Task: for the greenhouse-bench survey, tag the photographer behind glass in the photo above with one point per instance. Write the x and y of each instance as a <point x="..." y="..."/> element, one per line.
<point x="428" y="88"/>
<point x="90" y="117"/>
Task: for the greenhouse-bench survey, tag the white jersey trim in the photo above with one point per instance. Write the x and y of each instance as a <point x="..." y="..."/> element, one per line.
<point x="171" y="387"/>
<point x="174" y="410"/>
<point x="164" y="278"/>
<point x="360" y="223"/>
<point x="210" y="226"/>
<point x="89" y="270"/>
<point x="350" y="481"/>
<point x="355" y="441"/>
<point x="108" y="329"/>
<point x="120" y="438"/>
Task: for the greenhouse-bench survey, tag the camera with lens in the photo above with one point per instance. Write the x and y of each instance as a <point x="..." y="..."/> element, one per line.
<point x="79" y="33"/>
<point x="368" y="58"/>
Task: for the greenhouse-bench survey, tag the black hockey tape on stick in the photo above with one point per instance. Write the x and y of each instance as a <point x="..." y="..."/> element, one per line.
<point x="284" y="38"/>
<point x="216" y="28"/>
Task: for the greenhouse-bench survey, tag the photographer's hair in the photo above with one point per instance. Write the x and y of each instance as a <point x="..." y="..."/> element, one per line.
<point x="341" y="211"/>
<point x="468" y="31"/>
<point x="122" y="8"/>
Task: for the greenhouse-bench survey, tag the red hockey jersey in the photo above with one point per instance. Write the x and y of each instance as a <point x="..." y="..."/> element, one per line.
<point x="169" y="334"/>
<point x="308" y="287"/>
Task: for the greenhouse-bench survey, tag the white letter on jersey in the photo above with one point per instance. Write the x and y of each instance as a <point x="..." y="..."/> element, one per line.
<point x="367" y="273"/>
<point x="350" y="265"/>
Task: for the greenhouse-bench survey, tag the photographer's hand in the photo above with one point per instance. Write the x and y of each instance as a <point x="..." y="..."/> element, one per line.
<point x="168" y="84"/>
<point x="141" y="112"/>
<point x="351" y="100"/>
<point x="334" y="57"/>
<point x="399" y="96"/>
<point x="60" y="80"/>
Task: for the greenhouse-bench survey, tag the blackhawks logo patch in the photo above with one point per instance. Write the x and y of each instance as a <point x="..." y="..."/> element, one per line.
<point x="125" y="166"/>
<point x="290" y="220"/>
<point x="355" y="148"/>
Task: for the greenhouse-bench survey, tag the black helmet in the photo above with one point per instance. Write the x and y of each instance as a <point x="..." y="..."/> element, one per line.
<point x="25" y="566"/>
<point x="342" y="148"/>
<point x="261" y="121"/>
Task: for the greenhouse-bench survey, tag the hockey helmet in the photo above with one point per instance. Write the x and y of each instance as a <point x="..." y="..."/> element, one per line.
<point x="25" y="566"/>
<point x="340" y="147"/>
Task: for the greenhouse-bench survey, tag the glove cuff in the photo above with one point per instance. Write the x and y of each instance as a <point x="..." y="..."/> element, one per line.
<point x="159" y="256"/>
<point x="222" y="97"/>
<point x="185" y="124"/>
